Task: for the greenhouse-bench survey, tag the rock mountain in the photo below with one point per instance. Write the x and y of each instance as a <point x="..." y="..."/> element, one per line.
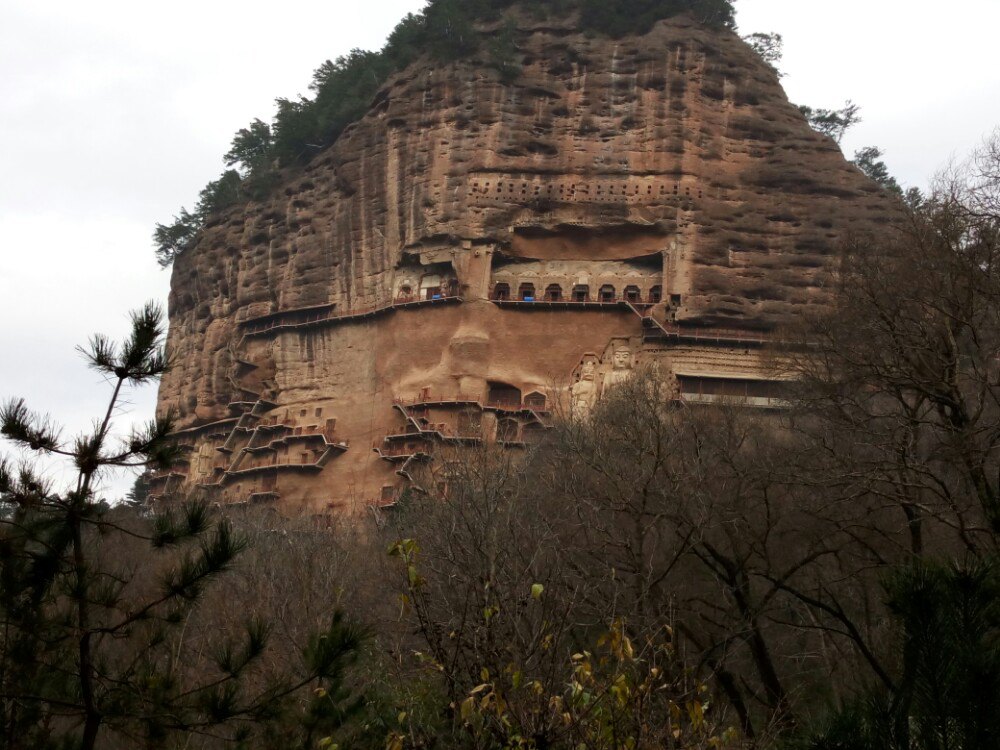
<point x="474" y="258"/>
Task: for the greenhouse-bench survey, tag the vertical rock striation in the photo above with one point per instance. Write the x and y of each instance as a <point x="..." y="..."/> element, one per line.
<point x="470" y="252"/>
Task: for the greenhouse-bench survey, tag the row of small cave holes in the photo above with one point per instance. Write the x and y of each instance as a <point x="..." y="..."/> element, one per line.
<point x="583" y="189"/>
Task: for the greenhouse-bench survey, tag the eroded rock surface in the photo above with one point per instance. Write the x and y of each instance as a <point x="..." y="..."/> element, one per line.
<point x="445" y="272"/>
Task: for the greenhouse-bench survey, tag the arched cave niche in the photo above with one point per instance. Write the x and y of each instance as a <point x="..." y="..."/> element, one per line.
<point x="503" y="394"/>
<point x="535" y="400"/>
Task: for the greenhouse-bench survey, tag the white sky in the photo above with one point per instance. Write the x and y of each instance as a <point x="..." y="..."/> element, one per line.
<point x="113" y="114"/>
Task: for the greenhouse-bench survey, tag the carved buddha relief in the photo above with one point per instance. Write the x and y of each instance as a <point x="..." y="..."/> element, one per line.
<point x="619" y="366"/>
<point x="584" y="391"/>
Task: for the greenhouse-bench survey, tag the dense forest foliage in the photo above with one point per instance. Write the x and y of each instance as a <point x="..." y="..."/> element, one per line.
<point x="342" y="89"/>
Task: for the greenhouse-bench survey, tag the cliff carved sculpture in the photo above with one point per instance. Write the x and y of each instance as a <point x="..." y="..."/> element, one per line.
<point x="621" y="366"/>
<point x="583" y="393"/>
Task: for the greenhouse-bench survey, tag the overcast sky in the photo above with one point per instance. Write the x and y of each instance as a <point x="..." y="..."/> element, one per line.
<point x="113" y="114"/>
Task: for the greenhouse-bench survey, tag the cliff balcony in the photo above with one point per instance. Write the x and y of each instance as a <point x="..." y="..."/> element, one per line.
<point x="531" y="303"/>
<point x="655" y="330"/>
<point x="325" y="438"/>
<point x="313" y="463"/>
<point x="731" y="391"/>
<point x="159" y="479"/>
<point x="275" y="426"/>
<point x="534" y="403"/>
<point x="536" y="408"/>
<point x="389" y="450"/>
<point x="545" y="295"/>
<point x="278" y="452"/>
<point x="210" y="430"/>
<point x="247" y="422"/>
<point x="468" y="434"/>
<point x="240" y="407"/>
<point x="303" y="318"/>
<point x="427" y="399"/>
<point x="659" y="330"/>
<point x="420" y="434"/>
<point x="750" y="402"/>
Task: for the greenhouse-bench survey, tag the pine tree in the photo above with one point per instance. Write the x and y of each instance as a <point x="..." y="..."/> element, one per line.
<point x="89" y="643"/>
<point x="833" y="122"/>
<point x="251" y="148"/>
<point x="869" y="161"/>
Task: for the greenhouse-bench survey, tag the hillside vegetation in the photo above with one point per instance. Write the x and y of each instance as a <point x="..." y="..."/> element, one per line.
<point x="653" y="576"/>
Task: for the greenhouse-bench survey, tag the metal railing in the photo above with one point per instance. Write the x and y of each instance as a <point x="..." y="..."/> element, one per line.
<point x="294" y="321"/>
<point x="430" y="399"/>
<point x="568" y="302"/>
<point x="400" y="451"/>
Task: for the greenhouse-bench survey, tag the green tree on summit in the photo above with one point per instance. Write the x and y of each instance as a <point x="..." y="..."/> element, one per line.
<point x="833" y="122"/>
<point x="769" y="47"/>
<point x="638" y="16"/>
<point x="251" y="148"/>
<point x="173" y="239"/>
<point x="869" y="161"/>
<point x="343" y="89"/>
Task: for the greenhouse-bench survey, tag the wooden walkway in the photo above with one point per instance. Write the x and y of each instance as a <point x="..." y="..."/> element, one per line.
<point x="655" y="329"/>
<point x="277" y="323"/>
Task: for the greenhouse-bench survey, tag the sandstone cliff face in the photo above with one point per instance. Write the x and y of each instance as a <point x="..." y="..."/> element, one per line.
<point x="670" y="168"/>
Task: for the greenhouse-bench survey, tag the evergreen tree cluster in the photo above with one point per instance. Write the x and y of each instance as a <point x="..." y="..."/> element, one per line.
<point x="342" y="89"/>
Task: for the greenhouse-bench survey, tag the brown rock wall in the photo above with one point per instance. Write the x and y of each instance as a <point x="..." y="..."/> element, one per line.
<point x="678" y="146"/>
